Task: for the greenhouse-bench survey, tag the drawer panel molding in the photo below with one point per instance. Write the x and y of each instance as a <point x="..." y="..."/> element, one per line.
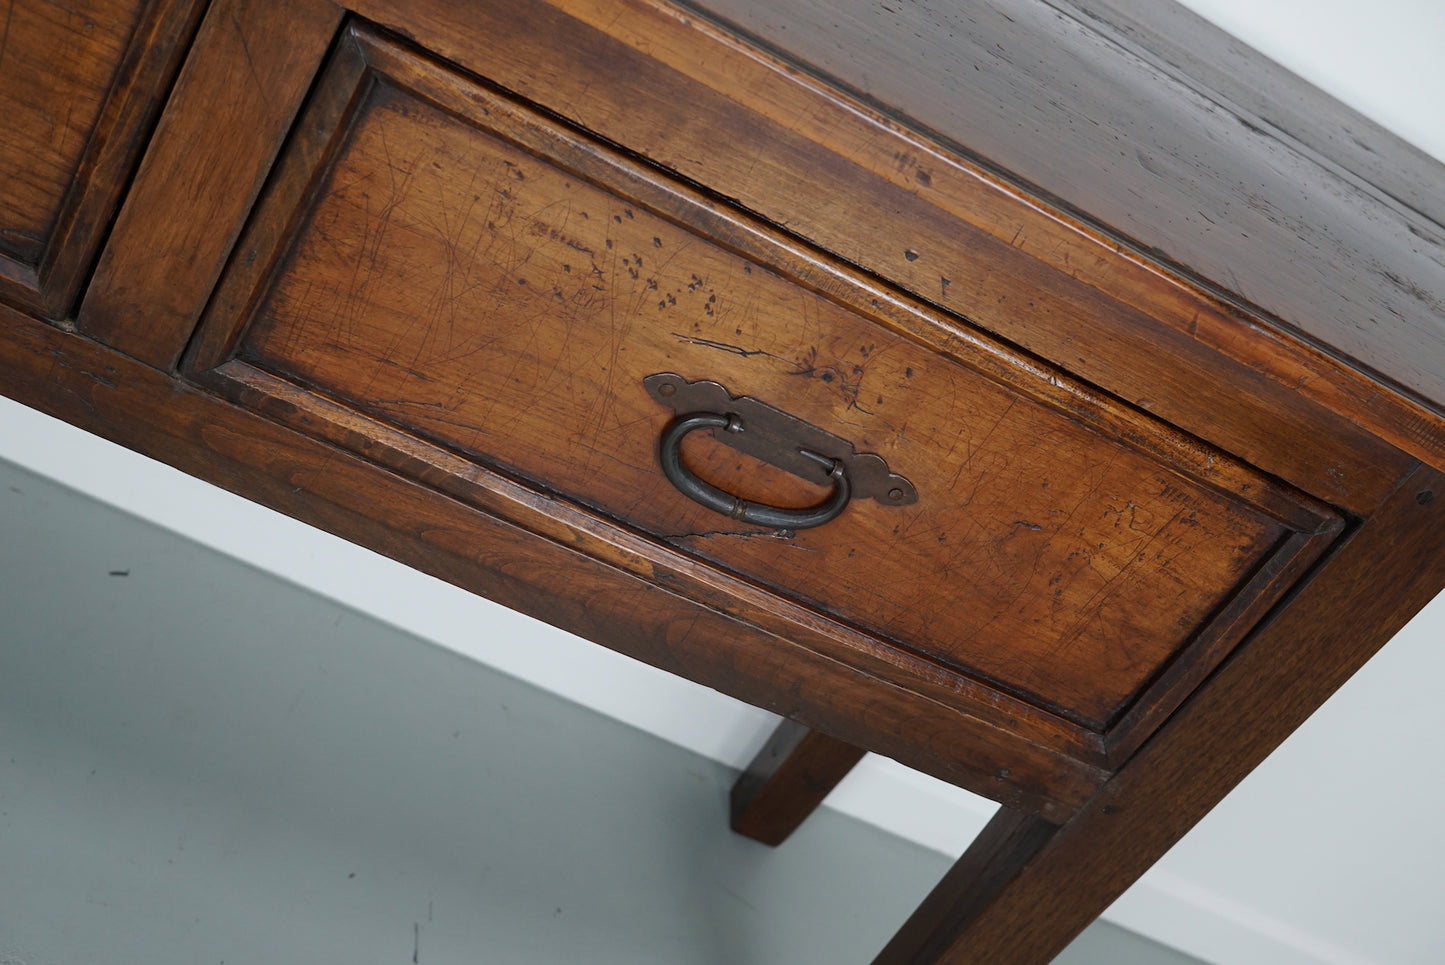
<point x="452" y="282"/>
<point x="80" y="87"/>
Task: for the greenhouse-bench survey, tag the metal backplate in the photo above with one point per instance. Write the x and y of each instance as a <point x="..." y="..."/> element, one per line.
<point x="777" y="438"/>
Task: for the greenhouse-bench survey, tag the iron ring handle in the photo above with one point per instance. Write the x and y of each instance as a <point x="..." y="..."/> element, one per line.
<point x="720" y="501"/>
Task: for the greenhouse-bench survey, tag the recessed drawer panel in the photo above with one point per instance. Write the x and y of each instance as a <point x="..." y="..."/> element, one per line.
<point x="437" y="259"/>
<point x="79" y="85"/>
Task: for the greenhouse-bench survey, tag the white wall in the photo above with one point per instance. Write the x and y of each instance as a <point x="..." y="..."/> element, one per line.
<point x="203" y="763"/>
<point x="1383" y="58"/>
<point x="1330" y="852"/>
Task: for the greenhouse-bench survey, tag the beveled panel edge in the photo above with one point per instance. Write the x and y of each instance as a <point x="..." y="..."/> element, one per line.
<point x="558" y="519"/>
<point x="127" y="120"/>
<point x="50" y="286"/>
<point x="246" y="452"/>
<point x="773" y="247"/>
<point x="1278" y="574"/>
<point x="1313" y="394"/>
<point x="326" y="120"/>
<point x="322" y="123"/>
<point x="20" y="285"/>
<point x="1210" y="310"/>
<point x="156" y="269"/>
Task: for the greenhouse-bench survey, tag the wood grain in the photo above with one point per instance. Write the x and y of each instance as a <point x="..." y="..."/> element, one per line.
<point x="1053" y="883"/>
<point x="80" y="86"/>
<point x="252" y="64"/>
<point x="996" y="857"/>
<point x="1171" y="394"/>
<point x="788" y="778"/>
<point x="450" y="285"/>
<point x="1177" y="171"/>
<point x="1220" y="69"/>
<point x="698" y="101"/>
<point x="579" y="583"/>
<point x="56" y="66"/>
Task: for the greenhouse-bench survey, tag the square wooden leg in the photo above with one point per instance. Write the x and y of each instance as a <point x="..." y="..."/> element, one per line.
<point x="1026" y="888"/>
<point x="787" y="780"/>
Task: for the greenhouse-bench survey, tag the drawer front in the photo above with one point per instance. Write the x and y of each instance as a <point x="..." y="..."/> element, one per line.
<point x="79" y="83"/>
<point x="438" y="260"/>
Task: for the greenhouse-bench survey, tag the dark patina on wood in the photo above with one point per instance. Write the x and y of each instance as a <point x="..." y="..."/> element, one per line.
<point x="1161" y="354"/>
<point x="778" y="439"/>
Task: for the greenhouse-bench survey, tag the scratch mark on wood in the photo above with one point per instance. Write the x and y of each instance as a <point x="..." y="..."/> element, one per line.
<point x="250" y="61"/>
<point x="785" y="535"/>
<point x="725" y="347"/>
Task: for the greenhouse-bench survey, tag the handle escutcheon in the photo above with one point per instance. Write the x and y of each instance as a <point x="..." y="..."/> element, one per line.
<point x="720" y="501"/>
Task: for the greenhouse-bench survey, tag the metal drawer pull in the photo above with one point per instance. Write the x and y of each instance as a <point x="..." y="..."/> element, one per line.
<point x="729" y="505"/>
<point x="779" y="439"/>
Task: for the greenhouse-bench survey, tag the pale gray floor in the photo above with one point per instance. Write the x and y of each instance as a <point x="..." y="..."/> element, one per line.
<point x="204" y="764"/>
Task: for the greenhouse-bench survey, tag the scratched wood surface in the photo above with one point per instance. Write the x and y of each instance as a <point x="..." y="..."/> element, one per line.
<point x="449" y="282"/>
<point x="605" y="594"/>
<point x="57" y="63"/>
<point x="1023" y="891"/>
<point x="1177" y="170"/>
<point x="752" y="127"/>
<point x="252" y="63"/>
<point x="80" y="85"/>
<point x="1112" y="599"/>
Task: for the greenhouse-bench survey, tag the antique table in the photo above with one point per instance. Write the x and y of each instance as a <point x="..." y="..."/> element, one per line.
<point x="1049" y="396"/>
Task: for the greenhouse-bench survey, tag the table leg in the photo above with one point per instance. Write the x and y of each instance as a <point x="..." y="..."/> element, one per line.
<point x="787" y="780"/>
<point x="1001" y="850"/>
<point x="1025" y="888"/>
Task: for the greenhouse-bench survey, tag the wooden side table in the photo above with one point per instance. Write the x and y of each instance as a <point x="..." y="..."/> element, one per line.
<point x="1051" y="398"/>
